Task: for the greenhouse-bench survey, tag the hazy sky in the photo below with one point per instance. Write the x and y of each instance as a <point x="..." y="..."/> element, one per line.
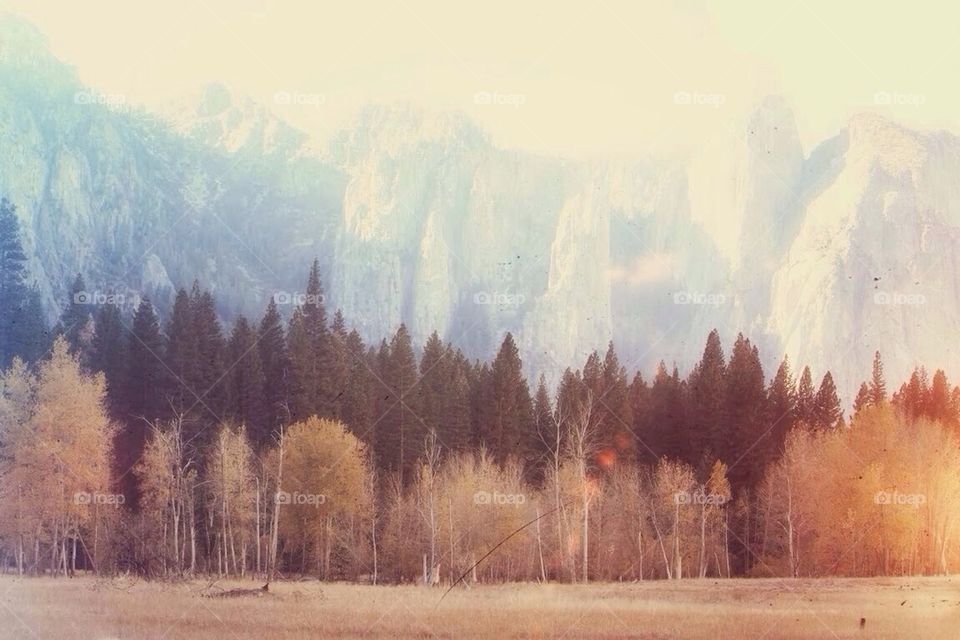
<point x="593" y="78"/>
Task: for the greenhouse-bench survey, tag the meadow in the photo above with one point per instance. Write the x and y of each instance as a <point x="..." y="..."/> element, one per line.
<point x="99" y="609"/>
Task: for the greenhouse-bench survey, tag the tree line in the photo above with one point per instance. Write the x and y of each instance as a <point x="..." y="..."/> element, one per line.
<point x="291" y="446"/>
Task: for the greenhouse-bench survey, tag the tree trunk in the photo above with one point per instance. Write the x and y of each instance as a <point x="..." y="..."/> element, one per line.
<point x="373" y="536"/>
<point x="640" y="540"/>
<point x="193" y="543"/>
<point x="586" y="531"/>
<point x="276" y="511"/>
<point x="54" y="561"/>
<point x="259" y="567"/>
<point x="702" y="570"/>
<point x="328" y="534"/>
<point x="677" y="557"/>
<point x="20" y="555"/>
<point x="663" y="550"/>
<point x="726" y="539"/>
<point x="543" y="572"/>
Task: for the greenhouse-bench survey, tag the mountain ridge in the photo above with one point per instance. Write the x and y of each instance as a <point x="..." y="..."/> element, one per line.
<point x="419" y="217"/>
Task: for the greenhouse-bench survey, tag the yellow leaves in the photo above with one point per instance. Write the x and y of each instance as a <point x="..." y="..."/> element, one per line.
<point x="58" y="439"/>
<point x="465" y="507"/>
<point x="672" y="479"/>
<point x="325" y="474"/>
<point x="860" y="501"/>
<point x="717" y="484"/>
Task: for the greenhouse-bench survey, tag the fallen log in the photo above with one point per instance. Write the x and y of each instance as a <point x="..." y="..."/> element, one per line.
<point x="240" y="593"/>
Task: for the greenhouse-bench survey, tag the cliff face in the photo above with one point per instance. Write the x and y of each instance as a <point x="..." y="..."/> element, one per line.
<point x="417" y="217"/>
<point x="135" y="206"/>
<point x="874" y="262"/>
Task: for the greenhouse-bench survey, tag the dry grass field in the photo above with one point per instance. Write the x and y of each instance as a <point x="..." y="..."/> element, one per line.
<point x="830" y="608"/>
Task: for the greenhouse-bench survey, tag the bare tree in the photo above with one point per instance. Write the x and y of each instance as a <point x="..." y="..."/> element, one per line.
<point x="427" y="502"/>
<point x="582" y="446"/>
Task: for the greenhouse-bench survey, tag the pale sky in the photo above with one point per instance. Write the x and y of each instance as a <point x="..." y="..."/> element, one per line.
<point x="602" y="78"/>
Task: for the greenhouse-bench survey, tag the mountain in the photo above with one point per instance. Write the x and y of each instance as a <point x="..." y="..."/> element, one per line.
<point x="874" y="263"/>
<point x="117" y="194"/>
<point x="217" y="117"/>
<point x="418" y="217"/>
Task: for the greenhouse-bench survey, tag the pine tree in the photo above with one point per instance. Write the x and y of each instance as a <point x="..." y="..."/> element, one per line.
<point x="379" y="360"/>
<point x="75" y="322"/>
<point x="565" y="408"/>
<point x="31" y="332"/>
<point x="878" y="387"/>
<point x="23" y="329"/>
<point x="481" y="402"/>
<point x="939" y="405"/>
<point x="615" y="409"/>
<point x="593" y="374"/>
<point x="862" y="399"/>
<point x="905" y="398"/>
<point x="358" y="401"/>
<point x="303" y="369"/>
<point x="434" y="376"/>
<point x="751" y="444"/>
<point x="827" y="411"/>
<point x="781" y="404"/>
<point x="544" y="427"/>
<point x="12" y="272"/>
<point x="317" y="385"/>
<point x="639" y="393"/>
<point x="245" y="384"/>
<point x="511" y="431"/>
<point x="707" y="393"/>
<point x="955" y="404"/>
<point x="109" y="352"/>
<point x="662" y="434"/>
<point x="274" y="362"/>
<point x="806" y="398"/>
<point x="570" y="396"/>
<point x="401" y="439"/>
<point x="337" y="375"/>
<point x="912" y="397"/>
<point x="208" y="385"/>
<point x="144" y="394"/>
<point x="181" y="353"/>
<point x="195" y="364"/>
<point x="444" y="395"/>
<point x="455" y="415"/>
<point x="339" y="325"/>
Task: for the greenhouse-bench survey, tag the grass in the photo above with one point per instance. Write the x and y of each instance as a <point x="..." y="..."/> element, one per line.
<point x="926" y="608"/>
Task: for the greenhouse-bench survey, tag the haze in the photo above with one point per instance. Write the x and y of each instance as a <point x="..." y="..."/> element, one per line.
<point x="575" y="80"/>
